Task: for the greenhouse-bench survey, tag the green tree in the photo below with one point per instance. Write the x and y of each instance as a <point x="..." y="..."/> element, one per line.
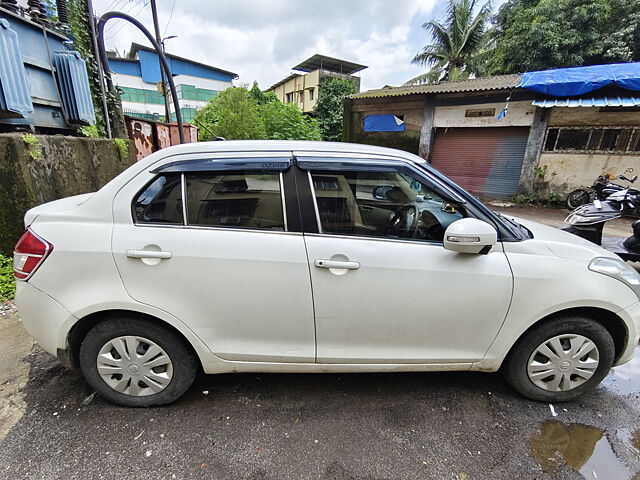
<point x="261" y="97"/>
<point x="460" y="45"/>
<point x="330" y="106"/>
<point x="241" y="114"/>
<point x="232" y="114"/>
<point x="287" y="122"/>
<point x="541" y="34"/>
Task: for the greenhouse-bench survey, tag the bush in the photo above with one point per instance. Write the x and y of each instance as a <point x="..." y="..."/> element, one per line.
<point x="241" y="114"/>
<point x="330" y="106"/>
<point x="7" y="280"/>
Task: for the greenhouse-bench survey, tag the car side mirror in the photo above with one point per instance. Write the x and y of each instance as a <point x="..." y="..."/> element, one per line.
<point x="470" y="235"/>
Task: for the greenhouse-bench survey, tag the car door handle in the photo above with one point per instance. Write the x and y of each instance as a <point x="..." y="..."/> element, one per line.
<point x="147" y="254"/>
<point x="336" y="264"/>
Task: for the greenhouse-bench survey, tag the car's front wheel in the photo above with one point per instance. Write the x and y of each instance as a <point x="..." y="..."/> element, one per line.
<point x="137" y="362"/>
<point x="560" y="359"/>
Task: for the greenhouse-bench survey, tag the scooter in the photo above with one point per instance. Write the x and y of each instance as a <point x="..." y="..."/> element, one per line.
<point x="588" y="222"/>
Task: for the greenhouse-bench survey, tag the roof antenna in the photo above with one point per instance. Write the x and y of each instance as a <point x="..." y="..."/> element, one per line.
<point x="215" y="137"/>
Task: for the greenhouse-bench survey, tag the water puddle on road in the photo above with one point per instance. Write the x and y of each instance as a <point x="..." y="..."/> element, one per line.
<point x="625" y="379"/>
<point x="584" y="448"/>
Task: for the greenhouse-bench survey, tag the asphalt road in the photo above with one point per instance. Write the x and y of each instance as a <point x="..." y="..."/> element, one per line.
<point x="268" y="426"/>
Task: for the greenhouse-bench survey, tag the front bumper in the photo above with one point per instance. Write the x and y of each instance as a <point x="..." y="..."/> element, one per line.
<point x="631" y="317"/>
<point x="44" y="319"/>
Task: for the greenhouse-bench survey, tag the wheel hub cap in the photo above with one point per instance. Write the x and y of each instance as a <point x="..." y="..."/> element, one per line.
<point x="134" y="366"/>
<point x="563" y="362"/>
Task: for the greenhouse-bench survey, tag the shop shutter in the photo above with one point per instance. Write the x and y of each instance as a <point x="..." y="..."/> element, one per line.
<point x="485" y="161"/>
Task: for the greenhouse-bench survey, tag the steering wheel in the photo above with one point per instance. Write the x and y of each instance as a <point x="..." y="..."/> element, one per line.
<point x="404" y="221"/>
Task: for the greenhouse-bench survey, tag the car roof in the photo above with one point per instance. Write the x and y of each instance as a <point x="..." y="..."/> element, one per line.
<point x="300" y="146"/>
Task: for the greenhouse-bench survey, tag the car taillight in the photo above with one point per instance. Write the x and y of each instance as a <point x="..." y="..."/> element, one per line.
<point x="31" y="250"/>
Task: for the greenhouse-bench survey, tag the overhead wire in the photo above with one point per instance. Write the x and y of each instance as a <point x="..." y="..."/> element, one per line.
<point x="170" y="17"/>
<point x="125" y="23"/>
<point x="123" y="5"/>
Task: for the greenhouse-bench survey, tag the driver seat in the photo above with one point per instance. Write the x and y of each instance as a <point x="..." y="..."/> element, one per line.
<point x="431" y="226"/>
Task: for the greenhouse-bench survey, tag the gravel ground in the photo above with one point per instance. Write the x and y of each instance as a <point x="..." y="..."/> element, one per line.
<point x="316" y="426"/>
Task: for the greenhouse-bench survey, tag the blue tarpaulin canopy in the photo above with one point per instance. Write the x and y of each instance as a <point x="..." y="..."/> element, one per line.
<point x="567" y="82"/>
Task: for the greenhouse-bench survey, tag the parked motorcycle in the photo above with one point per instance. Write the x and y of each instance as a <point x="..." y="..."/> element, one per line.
<point x="587" y="221"/>
<point x="601" y="188"/>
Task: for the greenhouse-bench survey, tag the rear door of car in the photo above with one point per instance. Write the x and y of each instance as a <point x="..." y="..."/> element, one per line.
<point x="228" y="258"/>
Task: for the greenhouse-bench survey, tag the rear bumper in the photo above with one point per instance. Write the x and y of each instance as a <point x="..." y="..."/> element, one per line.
<point x="631" y="317"/>
<point x="43" y="318"/>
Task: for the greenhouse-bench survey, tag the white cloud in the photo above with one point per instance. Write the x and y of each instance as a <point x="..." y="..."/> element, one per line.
<point x="262" y="40"/>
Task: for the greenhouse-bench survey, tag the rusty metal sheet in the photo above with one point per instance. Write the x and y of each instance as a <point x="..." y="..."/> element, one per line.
<point x="141" y="133"/>
<point x="163" y="135"/>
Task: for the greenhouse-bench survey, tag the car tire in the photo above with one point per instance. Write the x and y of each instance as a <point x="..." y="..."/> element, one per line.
<point x="525" y="366"/>
<point x="135" y="381"/>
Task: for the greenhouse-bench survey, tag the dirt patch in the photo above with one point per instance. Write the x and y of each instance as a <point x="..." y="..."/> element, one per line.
<point x="15" y="345"/>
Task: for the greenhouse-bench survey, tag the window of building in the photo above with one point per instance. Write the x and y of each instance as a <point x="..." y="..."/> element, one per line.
<point x="160" y="202"/>
<point x="238" y="199"/>
<point x="385" y="204"/>
<point x="592" y="139"/>
<point x="289" y="98"/>
<point x="311" y="92"/>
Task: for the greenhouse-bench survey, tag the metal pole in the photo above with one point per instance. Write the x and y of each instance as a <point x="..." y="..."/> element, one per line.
<point x="103" y="93"/>
<point x="156" y="26"/>
<point x="163" y="61"/>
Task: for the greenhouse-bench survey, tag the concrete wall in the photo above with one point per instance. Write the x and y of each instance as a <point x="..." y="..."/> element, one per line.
<point x="576" y="170"/>
<point x="65" y="166"/>
<point x="412" y="109"/>
<point x="519" y="114"/>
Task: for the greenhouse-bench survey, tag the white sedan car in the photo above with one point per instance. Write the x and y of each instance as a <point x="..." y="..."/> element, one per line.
<point x="263" y="256"/>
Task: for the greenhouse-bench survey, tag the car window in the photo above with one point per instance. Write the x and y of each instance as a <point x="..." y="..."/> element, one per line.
<point x="160" y="201"/>
<point x="235" y="199"/>
<point x="381" y="204"/>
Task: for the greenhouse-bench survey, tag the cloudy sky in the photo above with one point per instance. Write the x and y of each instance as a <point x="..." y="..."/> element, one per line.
<point x="262" y="39"/>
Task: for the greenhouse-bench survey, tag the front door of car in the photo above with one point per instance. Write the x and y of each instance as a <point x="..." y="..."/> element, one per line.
<point x="385" y="289"/>
<point x="225" y="261"/>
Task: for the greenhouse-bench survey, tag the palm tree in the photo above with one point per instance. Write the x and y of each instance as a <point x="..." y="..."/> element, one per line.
<point x="460" y="44"/>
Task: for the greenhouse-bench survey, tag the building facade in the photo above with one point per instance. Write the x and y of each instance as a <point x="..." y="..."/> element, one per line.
<point x="497" y="139"/>
<point x="302" y="89"/>
<point x="138" y="78"/>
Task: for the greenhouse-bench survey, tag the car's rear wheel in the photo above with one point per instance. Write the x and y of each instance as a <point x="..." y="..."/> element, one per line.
<point x="136" y="362"/>
<point x="560" y="359"/>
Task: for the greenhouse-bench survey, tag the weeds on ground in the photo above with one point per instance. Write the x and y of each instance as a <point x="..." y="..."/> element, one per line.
<point x="542" y="195"/>
<point x="7" y="280"/>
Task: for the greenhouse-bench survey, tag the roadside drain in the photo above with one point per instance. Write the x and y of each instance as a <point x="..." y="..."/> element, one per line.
<point x="583" y="448"/>
<point x="625" y="379"/>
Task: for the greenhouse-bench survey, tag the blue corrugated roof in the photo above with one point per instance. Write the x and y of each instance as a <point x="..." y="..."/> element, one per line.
<point x="588" y="102"/>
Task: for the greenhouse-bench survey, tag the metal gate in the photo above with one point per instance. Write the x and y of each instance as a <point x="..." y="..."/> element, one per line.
<point x="485" y="161"/>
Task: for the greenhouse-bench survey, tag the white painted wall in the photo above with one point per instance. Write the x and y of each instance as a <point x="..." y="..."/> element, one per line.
<point x="519" y="114"/>
<point x="131" y="81"/>
<point x="199" y="82"/>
